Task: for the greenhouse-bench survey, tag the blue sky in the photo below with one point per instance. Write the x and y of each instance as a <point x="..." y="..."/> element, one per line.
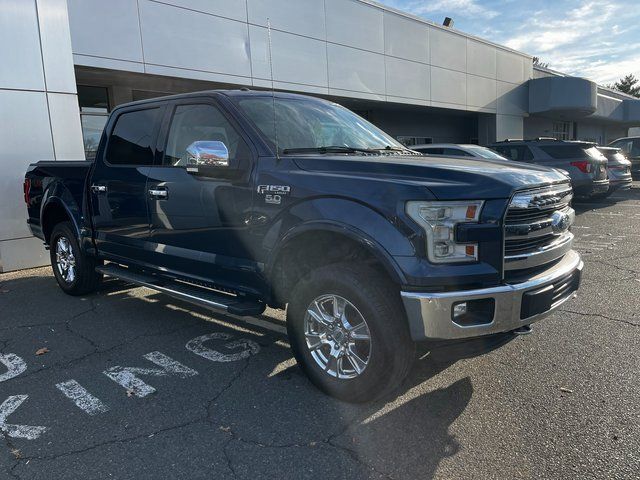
<point x="599" y="40"/>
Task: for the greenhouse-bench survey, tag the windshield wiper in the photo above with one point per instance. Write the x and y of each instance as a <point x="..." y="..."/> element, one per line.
<point x="330" y="149"/>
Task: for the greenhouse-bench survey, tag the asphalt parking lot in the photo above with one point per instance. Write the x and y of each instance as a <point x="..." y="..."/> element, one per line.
<point x="136" y="385"/>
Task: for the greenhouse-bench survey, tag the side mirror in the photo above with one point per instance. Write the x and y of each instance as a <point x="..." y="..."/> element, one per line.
<point x="203" y="153"/>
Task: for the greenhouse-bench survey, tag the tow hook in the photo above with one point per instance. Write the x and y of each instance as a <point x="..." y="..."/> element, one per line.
<point x="523" y="330"/>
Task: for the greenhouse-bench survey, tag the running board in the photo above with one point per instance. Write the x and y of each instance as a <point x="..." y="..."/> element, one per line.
<point x="182" y="291"/>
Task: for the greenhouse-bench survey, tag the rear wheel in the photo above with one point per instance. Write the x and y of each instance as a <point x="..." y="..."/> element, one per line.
<point x="75" y="272"/>
<point x="348" y="332"/>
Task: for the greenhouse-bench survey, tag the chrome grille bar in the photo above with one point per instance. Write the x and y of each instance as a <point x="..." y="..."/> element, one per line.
<point x="537" y="226"/>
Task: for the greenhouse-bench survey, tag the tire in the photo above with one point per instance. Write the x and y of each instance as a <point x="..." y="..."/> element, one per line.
<point x="80" y="276"/>
<point x="367" y="296"/>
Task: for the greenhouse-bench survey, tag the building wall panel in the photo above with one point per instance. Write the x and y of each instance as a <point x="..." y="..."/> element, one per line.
<point x="448" y="86"/>
<point x="448" y="49"/>
<point x="54" y="30"/>
<point x="25" y="137"/>
<point x="407" y="79"/>
<point x="481" y="59"/>
<point x="20" y="46"/>
<point x="355" y="24"/>
<point x="182" y="38"/>
<point x="105" y="29"/>
<point x="296" y="59"/>
<point x="406" y="38"/>
<point x="304" y="17"/>
<point x="356" y="70"/>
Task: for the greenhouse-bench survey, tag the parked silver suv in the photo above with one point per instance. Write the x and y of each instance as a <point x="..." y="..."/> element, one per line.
<point x="618" y="170"/>
<point x="630" y="146"/>
<point x="584" y="163"/>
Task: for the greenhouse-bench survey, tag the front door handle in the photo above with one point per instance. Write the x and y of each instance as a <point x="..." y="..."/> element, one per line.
<point x="158" y="193"/>
<point x="99" y="188"/>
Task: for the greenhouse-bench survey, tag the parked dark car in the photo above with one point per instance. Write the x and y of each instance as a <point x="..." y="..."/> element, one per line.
<point x="586" y="166"/>
<point x="458" y="150"/>
<point x="630" y="146"/>
<point x="236" y="200"/>
<point x="618" y="170"/>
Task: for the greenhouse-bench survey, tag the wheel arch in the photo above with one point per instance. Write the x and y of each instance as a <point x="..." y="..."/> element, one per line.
<point x="299" y="251"/>
<point x="55" y="211"/>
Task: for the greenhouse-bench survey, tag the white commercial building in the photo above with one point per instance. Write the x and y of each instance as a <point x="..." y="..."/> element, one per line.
<point x="67" y="63"/>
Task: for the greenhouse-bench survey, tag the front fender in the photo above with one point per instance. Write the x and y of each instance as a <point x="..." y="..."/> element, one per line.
<point x="354" y="220"/>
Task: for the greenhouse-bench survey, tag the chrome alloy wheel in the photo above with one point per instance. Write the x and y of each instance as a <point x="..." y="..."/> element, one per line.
<point x="337" y="336"/>
<point x="65" y="260"/>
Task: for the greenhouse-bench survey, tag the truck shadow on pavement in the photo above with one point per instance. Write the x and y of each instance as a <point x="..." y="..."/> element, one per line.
<point x="270" y="407"/>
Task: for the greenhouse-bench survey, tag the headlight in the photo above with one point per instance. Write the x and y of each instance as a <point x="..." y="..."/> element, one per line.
<point x="439" y="220"/>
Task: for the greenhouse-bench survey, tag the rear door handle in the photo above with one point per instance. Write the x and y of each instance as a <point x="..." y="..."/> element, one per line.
<point x="98" y="188"/>
<point x="158" y="193"/>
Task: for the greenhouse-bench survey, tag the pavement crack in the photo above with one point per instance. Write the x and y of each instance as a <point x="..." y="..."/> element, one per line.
<point x="113" y="442"/>
<point x="227" y="386"/>
<point x="228" y="458"/>
<point x="613" y="319"/>
<point x="97" y="351"/>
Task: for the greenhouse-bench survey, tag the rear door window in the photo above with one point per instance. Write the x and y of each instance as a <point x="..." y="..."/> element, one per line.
<point x="560" y="152"/>
<point x="457" y="152"/>
<point x="625" y="145"/>
<point x="431" y="151"/>
<point x="519" y="153"/>
<point x="132" y="140"/>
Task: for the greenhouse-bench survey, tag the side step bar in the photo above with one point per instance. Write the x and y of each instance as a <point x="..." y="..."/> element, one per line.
<point x="189" y="293"/>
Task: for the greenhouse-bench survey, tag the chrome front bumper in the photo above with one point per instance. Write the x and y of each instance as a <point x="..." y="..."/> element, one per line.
<point x="430" y="314"/>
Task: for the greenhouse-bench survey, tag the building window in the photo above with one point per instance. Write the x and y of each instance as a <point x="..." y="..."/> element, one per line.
<point x="94" y="112"/>
<point x="411" y="141"/>
<point x="562" y="130"/>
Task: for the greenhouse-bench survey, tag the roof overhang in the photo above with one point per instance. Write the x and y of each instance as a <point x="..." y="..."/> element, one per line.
<point x="563" y="96"/>
<point x="574" y="98"/>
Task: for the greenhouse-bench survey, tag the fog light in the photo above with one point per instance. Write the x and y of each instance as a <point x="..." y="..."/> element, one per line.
<point x="459" y="309"/>
<point x="473" y="312"/>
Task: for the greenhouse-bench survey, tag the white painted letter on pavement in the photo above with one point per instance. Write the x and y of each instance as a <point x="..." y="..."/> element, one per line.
<point x="81" y="397"/>
<point x="17" y="431"/>
<point x="249" y="347"/>
<point x="15" y="366"/>
<point x="127" y="376"/>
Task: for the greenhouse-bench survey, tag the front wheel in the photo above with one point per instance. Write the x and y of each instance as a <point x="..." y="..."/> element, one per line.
<point x="348" y="332"/>
<point x="75" y="272"/>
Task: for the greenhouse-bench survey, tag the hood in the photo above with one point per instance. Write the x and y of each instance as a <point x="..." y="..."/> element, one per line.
<point x="447" y="178"/>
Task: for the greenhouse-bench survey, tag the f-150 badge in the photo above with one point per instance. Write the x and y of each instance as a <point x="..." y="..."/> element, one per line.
<point x="273" y="193"/>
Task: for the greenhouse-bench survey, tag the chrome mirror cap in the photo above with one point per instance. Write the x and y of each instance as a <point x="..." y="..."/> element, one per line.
<point x="208" y="153"/>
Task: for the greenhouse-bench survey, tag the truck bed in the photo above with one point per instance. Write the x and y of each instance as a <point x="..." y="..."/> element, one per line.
<point x="48" y="180"/>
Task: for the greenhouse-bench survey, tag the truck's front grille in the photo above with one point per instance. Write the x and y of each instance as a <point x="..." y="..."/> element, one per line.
<point x="537" y="226"/>
<point x="525" y="245"/>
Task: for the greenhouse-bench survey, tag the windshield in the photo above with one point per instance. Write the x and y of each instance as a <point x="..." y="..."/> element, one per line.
<point x="312" y="124"/>
<point x="485" y="153"/>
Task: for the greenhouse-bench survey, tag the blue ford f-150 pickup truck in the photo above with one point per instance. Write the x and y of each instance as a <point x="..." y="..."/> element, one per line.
<point x="236" y="200"/>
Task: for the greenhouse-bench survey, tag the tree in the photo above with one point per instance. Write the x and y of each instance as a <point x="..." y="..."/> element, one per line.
<point x="538" y="63"/>
<point x="628" y="85"/>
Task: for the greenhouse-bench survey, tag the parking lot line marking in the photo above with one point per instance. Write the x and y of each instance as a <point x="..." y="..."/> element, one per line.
<point x="15" y="366"/>
<point x="9" y="406"/>
<point x="126" y="376"/>
<point x="196" y="345"/>
<point x="81" y="397"/>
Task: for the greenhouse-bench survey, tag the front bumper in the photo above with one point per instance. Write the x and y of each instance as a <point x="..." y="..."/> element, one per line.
<point x="430" y="314"/>
<point x="622" y="184"/>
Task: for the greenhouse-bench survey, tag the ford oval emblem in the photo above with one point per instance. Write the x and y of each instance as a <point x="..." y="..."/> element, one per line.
<point x="560" y="222"/>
